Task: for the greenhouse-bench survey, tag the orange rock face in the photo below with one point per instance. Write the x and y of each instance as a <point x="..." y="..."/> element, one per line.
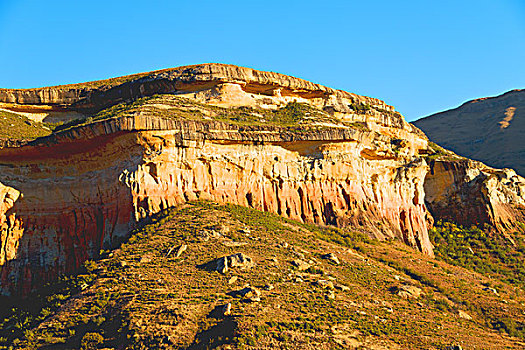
<point x="84" y="190"/>
<point x="65" y="197"/>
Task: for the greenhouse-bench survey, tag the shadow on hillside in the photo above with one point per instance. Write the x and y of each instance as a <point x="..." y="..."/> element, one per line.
<point x="221" y="333"/>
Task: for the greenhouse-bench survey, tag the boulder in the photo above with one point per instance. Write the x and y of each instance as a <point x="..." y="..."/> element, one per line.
<point x="145" y="259"/>
<point x="463" y="314"/>
<point x="407" y="291"/>
<point x="250" y="294"/>
<point x="332" y="258"/>
<point x="177" y="251"/>
<point x="181" y="249"/>
<point x="492" y="290"/>
<point x="300" y="264"/>
<point x="238" y="261"/>
<point x="226" y="309"/>
<point x="342" y="287"/>
<point x="325" y="284"/>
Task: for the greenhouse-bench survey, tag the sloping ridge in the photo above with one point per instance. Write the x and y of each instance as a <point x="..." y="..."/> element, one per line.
<point x="490" y="129"/>
<point x="93" y="96"/>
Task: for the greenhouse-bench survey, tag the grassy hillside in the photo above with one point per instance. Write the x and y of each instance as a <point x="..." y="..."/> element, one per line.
<point x="490" y="253"/>
<point x="18" y="127"/>
<point x="145" y="295"/>
<point x="486" y="129"/>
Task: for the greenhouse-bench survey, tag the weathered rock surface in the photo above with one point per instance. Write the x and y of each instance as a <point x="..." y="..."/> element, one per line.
<point x="226" y="309"/>
<point x="249" y="293"/>
<point x="66" y="196"/>
<point x="86" y="188"/>
<point x="235" y="261"/>
<point x="325" y="284"/>
<point x="301" y="265"/>
<point x="332" y="258"/>
<point x="470" y="193"/>
<point x="10" y="233"/>
<point x="407" y="291"/>
<point x="463" y="314"/>
<point x="487" y="129"/>
<point x="208" y="81"/>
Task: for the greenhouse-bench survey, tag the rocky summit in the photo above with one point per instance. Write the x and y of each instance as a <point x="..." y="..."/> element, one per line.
<point x="84" y="166"/>
<point x="487" y="129"/>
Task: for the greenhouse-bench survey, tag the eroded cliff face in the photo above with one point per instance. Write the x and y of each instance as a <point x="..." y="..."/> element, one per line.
<point x="9" y="234"/>
<point x="470" y="193"/>
<point x="85" y="189"/>
<point x="221" y="133"/>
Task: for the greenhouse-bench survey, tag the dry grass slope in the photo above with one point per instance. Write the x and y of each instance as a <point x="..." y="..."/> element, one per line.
<point x="144" y="296"/>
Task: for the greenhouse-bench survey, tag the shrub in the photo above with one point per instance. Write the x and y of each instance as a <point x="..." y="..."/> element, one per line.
<point x="91" y="341"/>
<point x="487" y="253"/>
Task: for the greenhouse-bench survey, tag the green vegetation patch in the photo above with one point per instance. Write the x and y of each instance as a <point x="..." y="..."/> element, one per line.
<point x="19" y="316"/>
<point x="293" y="115"/>
<point x="489" y="253"/>
<point x="19" y="127"/>
<point x="276" y="223"/>
<point x="360" y="107"/>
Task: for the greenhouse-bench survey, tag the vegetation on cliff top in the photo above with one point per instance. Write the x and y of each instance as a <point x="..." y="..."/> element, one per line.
<point x="145" y="295"/>
<point x="293" y="116"/>
<point x="174" y="107"/>
<point x="19" y="127"/>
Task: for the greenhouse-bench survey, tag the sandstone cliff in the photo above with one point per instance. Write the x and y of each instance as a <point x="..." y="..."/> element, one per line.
<point x="470" y="193"/>
<point x="218" y="132"/>
<point x="72" y="101"/>
<point x="85" y="190"/>
<point x="487" y="129"/>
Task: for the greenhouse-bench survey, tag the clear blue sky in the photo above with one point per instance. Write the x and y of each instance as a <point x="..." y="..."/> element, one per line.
<point x="420" y="56"/>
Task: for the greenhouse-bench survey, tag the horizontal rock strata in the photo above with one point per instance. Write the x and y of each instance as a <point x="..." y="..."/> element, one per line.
<point x="86" y="188"/>
<point x="66" y="196"/>
<point x="90" y="97"/>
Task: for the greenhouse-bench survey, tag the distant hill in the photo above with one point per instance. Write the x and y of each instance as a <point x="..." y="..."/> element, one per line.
<point x="488" y="129"/>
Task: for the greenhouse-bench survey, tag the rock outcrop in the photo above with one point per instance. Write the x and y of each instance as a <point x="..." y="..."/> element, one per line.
<point x="487" y="129"/>
<point x="470" y="193"/>
<point x="85" y="189"/>
<point x="350" y="161"/>
<point x="87" y="98"/>
<point x="9" y="232"/>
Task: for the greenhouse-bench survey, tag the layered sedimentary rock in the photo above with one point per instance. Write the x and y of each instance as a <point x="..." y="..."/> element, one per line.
<point x="85" y="189"/>
<point x="347" y="161"/>
<point x="87" y="98"/>
<point x="470" y="193"/>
